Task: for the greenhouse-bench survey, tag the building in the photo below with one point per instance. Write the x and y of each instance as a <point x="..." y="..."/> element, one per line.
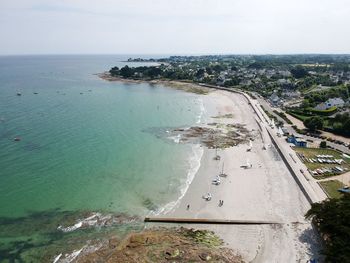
<point x="274" y="99"/>
<point x="333" y="102"/>
<point x="297" y="141"/>
<point x="338" y="102"/>
<point x="322" y="106"/>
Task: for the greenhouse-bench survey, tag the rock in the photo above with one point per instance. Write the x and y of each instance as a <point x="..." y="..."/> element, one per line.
<point x="205" y="257"/>
<point x="113" y="243"/>
<point x="163" y="245"/>
<point x="171" y="254"/>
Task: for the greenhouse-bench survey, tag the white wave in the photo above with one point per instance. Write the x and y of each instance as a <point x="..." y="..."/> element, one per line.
<point x="202" y="111"/>
<point x="72" y="255"/>
<point x="89" y="221"/>
<point x="194" y="163"/>
<point x="57" y="258"/>
<point x="176" y="138"/>
<point x="70" y="228"/>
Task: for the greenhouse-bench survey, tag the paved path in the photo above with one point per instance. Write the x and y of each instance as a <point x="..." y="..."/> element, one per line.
<point x="308" y="184"/>
<point x="344" y="178"/>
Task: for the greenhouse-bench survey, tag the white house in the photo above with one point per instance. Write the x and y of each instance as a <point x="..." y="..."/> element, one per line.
<point x="337" y="102"/>
<point x="274" y="99"/>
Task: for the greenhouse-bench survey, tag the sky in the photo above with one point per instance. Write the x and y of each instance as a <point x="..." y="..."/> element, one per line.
<point x="174" y="26"/>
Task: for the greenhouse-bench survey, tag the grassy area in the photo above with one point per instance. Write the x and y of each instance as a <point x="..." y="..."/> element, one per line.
<point x="327" y="112"/>
<point x="283" y="116"/>
<point x="298" y="116"/>
<point x="312" y="152"/>
<point x="331" y="187"/>
<point x="271" y="116"/>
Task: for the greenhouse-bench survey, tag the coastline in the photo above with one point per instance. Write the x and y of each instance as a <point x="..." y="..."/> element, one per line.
<point x="265" y="192"/>
<point x="180" y="85"/>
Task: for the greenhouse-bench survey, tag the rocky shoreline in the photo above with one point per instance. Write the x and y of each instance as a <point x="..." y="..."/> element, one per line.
<point x="159" y="245"/>
<point x="215" y="135"/>
<point x="180" y="85"/>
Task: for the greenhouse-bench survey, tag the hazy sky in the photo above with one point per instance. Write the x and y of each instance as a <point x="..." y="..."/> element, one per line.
<point x="174" y="26"/>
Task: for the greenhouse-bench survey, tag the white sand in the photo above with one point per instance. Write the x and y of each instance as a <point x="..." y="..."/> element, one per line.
<point x="267" y="191"/>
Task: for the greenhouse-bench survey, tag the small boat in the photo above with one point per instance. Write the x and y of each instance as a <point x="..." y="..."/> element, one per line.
<point x="207" y="197"/>
<point x="222" y="174"/>
<point x="250" y="146"/>
<point x="17" y="139"/>
<point x="35" y="93"/>
<point x="217" y="157"/>
<point x="247" y="165"/>
<point x="216" y="181"/>
<point x="19" y="94"/>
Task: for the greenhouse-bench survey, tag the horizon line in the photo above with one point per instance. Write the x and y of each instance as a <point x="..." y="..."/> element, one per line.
<point x="173" y="54"/>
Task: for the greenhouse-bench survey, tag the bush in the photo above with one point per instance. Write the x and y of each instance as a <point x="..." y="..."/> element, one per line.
<point x="332" y="219"/>
<point x="298" y="114"/>
<point x="283" y="116"/>
<point x="314" y="123"/>
<point x="327" y="112"/>
<point x="323" y="144"/>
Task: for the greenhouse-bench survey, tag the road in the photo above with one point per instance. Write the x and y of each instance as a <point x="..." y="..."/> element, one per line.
<point x="291" y="130"/>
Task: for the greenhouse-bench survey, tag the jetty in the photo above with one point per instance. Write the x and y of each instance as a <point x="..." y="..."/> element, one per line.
<point x="177" y="220"/>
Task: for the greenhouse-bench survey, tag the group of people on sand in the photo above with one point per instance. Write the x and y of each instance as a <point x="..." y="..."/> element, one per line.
<point x="221" y="203"/>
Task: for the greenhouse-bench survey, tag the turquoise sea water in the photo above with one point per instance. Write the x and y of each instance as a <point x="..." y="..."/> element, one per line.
<point x="86" y="145"/>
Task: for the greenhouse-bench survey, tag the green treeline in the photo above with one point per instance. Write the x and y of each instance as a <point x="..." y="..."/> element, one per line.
<point x="332" y="218"/>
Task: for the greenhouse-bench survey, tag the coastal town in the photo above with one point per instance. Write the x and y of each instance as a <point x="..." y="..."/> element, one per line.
<point x="307" y="96"/>
<point x="309" y="92"/>
<point x="175" y="131"/>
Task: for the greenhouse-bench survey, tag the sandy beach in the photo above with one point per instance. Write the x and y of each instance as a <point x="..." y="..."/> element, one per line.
<point x="267" y="191"/>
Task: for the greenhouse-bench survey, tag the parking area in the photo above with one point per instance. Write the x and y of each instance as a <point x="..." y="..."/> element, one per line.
<point x="323" y="163"/>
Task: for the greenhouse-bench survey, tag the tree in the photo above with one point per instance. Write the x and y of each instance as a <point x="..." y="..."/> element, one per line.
<point x="299" y="72"/>
<point x="218" y="68"/>
<point x="314" y="123"/>
<point x="126" y="72"/>
<point x="152" y="72"/>
<point x="200" y="73"/>
<point x="305" y="104"/>
<point x="323" y="144"/>
<point x="332" y="219"/>
<point x="209" y="70"/>
<point x="346" y="127"/>
<point x="114" y="71"/>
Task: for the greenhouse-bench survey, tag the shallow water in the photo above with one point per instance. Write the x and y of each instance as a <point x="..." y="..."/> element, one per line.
<point x="84" y="146"/>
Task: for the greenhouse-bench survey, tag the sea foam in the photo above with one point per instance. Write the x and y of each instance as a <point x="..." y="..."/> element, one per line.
<point x="194" y="161"/>
<point x="194" y="164"/>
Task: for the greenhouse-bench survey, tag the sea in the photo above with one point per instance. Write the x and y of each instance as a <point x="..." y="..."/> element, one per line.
<point x="81" y="157"/>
